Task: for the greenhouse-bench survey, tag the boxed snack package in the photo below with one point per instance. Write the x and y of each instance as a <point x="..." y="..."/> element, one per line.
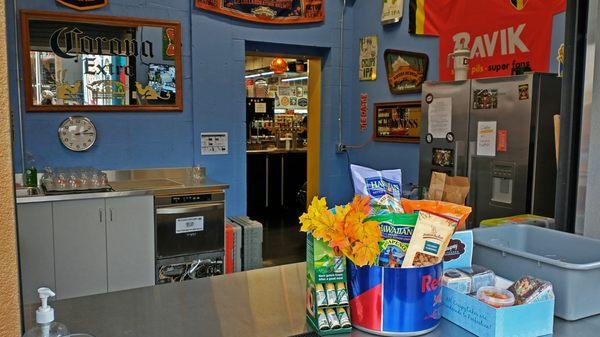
<point x="480" y="277"/>
<point x="438" y="207"/>
<point x="327" y="309"/>
<point x="429" y="240"/>
<point x="530" y="289"/>
<point x="396" y="230"/>
<point x="459" y="253"/>
<point x="490" y="313"/>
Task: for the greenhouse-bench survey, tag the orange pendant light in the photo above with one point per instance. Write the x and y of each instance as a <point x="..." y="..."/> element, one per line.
<point x="279" y="65"/>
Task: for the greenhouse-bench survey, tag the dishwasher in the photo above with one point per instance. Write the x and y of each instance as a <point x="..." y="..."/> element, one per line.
<point x="190" y="235"/>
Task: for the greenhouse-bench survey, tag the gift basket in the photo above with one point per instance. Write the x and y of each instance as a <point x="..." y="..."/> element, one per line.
<point x="393" y="266"/>
<point x="393" y="276"/>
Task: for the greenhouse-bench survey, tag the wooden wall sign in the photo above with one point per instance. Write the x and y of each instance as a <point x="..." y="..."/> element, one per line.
<point x="83" y="5"/>
<point x="268" y="11"/>
<point x="75" y="62"/>
<point x="397" y="122"/>
<point x="406" y="71"/>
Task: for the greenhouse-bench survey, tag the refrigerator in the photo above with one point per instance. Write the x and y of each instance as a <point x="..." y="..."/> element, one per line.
<point x="498" y="132"/>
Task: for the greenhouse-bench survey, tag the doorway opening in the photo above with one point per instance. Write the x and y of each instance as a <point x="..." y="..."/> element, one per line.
<point x="282" y="142"/>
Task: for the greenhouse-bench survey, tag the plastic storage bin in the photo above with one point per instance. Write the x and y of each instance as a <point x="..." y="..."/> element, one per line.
<point x="570" y="262"/>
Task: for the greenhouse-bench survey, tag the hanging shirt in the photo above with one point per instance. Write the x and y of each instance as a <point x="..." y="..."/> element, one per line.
<point x="503" y="35"/>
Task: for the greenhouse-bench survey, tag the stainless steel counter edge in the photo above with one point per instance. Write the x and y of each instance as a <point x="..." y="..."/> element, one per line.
<point x="207" y="185"/>
<point x="81" y="196"/>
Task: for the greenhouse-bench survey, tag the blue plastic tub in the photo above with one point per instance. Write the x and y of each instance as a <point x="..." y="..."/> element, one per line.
<point x="395" y="301"/>
<point x="570" y="262"/>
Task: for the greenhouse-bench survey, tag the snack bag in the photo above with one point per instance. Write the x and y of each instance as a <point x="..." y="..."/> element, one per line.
<point x="429" y="240"/>
<point x="376" y="184"/>
<point x="438" y="207"/>
<point x="396" y="230"/>
<point x="386" y="204"/>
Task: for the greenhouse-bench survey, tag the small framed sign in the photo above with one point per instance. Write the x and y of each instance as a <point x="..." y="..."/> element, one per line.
<point x="397" y="122"/>
<point x="406" y="71"/>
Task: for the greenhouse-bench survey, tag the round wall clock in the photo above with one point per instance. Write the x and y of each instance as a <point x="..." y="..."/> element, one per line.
<point x="77" y="133"/>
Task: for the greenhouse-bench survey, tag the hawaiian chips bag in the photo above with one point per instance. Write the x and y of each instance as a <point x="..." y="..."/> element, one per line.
<point x="429" y="240"/>
<point x="384" y="187"/>
<point x="396" y="230"/>
<point x="438" y="207"/>
<point x="376" y="183"/>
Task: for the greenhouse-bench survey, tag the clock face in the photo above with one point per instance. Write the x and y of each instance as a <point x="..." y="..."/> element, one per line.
<point x="77" y="133"/>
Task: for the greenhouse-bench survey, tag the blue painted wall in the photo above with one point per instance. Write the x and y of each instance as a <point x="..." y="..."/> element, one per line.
<point x="213" y="86"/>
<point x="213" y="94"/>
<point x="398" y="155"/>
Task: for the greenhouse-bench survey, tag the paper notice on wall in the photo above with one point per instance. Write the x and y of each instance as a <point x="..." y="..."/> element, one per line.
<point x="214" y="143"/>
<point x="486" y="139"/>
<point x="439" y="118"/>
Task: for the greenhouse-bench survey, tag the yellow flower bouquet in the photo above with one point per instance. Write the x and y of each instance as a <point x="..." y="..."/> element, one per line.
<point x="345" y="229"/>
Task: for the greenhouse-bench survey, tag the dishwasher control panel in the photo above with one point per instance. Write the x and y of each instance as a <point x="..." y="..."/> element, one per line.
<point x="183" y="199"/>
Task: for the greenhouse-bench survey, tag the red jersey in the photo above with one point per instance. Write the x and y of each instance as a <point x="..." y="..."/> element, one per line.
<point x="502" y="34"/>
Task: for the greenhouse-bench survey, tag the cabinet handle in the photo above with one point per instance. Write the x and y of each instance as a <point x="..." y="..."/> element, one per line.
<point x="100" y="213"/>
<point x="110" y="214"/>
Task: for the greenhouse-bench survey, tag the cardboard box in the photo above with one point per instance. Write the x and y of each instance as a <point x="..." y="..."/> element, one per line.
<point x="323" y="268"/>
<point x="481" y="319"/>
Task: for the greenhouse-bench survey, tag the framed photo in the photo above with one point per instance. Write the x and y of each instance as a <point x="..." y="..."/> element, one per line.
<point x="397" y="122"/>
<point x="406" y="71"/>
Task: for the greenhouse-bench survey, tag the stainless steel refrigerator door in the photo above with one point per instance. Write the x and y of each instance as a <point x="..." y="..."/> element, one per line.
<point x="499" y="164"/>
<point x="442" y="154"/>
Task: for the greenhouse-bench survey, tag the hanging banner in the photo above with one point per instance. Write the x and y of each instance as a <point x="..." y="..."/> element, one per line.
<point x="268" y="11"/>
<point x="504" y="36"/>
<point x="83" y="5"/>
<point x="391" y="11"/>
<point x="367" y="62"/>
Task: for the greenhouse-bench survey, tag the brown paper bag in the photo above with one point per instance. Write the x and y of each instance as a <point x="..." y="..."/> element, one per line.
<point x="436" y="186"/>
<point x="456" y="190"/>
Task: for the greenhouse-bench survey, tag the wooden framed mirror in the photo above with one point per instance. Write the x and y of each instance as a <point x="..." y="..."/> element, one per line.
<point x="76" y="62"/>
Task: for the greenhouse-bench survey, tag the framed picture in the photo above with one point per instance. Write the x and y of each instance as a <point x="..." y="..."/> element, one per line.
<point x="81" y="62"/>
<point x="397" y="122"/>
<point x="406" y="71"/>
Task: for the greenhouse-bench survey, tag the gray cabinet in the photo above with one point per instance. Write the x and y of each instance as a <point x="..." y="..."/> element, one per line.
<point x="130" y="242"/>
<point x="85" y="247"/>
<point x="36" y="248"/>
<point x="80" y="247"/>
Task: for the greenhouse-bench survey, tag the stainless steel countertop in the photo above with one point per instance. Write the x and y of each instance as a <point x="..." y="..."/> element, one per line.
<point x="127" y="183"/>
<point x="266" y="302"/>
<point x="276" y="151"/>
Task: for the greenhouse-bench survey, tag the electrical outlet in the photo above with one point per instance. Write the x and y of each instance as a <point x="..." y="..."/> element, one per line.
<point x="340" y="148"/>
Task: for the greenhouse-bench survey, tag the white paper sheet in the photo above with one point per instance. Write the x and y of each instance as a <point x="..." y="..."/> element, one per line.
<point x="486" y="138"/>
<point x="439" y="118"/>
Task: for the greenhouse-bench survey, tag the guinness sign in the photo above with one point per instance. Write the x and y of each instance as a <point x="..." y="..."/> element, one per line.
<point x="83" y="5"/>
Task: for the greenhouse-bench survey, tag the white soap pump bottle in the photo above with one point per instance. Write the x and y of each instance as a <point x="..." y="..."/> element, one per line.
<point x="44" y="316"/>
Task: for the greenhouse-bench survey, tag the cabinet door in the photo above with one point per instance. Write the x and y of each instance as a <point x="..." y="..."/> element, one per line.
<point x="130" y="242"/>
<point x="80" y="247"/>
<point x="36" y="248"/>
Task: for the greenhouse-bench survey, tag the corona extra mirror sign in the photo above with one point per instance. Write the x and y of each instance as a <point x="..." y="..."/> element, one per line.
<point x="83" y="5"/>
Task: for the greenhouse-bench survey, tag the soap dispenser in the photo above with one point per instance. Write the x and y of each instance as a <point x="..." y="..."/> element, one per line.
<point x="44" y="316"/>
